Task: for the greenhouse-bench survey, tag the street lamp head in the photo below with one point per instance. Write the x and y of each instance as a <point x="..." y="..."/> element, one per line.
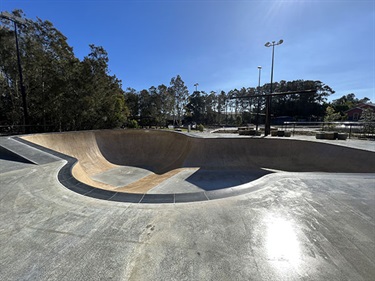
<point x="268" y="44"/>
<point x="259" y="67"/>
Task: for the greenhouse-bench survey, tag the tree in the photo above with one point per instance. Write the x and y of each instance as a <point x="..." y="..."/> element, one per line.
<point x="48" y="65"/>
<point x="196" y="106"/>
<point x="63" y="93"/>
<point x="347" y="102"/>
<point x="368" y="118"/>
<point x="132" y="102"/>
<point x="210" y="108"/>
<point x="167" y="103"/>
<point x="101" y="102"/>
<point x="222" y="103"/>
<point x="300" y="106"/>
<point x="146" y="109"/>
<point x="180" y="93"/>
<point x="10" y="94"/>
<point x="331" y="115"/>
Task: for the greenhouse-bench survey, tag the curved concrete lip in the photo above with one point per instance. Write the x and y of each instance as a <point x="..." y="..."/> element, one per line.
<point x="220" y="167"/>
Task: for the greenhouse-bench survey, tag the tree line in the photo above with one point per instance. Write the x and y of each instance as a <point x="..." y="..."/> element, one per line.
<point x="65" y="93"/>
<point x="162" y="105"/>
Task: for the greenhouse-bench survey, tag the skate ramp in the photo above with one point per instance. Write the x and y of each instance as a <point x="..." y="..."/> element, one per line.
<point x="156" y="161"/>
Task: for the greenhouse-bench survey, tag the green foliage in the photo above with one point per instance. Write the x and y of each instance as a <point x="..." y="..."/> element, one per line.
<point x="63" y="93"/>
<point x="347" y="102"/>
<point x="132" y="124"/>
<point x="200" y="128"/>
<point x="331" y="115"/>
<point x="180" y="93"/>
<point x="308" y="106"/>
<point x="368" y="118"/>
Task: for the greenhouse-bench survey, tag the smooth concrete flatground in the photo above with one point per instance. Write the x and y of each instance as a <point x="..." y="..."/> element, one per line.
<point x="121" y="176"/>
<point x="198" y="180"/>
<point x="299" y="226"/>
<point x="188" y="180"/>
<point x="7" y="165"/>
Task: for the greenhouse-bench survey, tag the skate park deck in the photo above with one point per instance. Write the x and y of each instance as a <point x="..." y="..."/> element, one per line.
<point x="295" y="222"/>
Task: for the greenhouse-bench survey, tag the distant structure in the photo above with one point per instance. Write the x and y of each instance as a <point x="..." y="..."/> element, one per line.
<point x="354" y="114"/>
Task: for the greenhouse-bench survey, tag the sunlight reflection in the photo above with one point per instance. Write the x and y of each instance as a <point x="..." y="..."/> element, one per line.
<point x="281" y="241"/>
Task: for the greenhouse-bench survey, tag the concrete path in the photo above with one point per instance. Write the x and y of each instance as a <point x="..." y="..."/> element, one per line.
<point x="298" y="226"/>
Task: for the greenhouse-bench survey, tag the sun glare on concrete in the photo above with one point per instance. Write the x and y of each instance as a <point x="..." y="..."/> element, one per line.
<point x="282" y="242"/>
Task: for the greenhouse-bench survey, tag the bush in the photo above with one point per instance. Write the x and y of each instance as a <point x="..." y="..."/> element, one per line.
<point x="200" y="127"/>
<point x="133" y="124"/>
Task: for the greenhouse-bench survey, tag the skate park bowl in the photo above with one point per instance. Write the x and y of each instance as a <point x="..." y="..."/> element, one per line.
<point x="155" y="166"/>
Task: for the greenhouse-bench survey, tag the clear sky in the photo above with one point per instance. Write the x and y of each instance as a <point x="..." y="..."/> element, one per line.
<point x="220" y="44"/>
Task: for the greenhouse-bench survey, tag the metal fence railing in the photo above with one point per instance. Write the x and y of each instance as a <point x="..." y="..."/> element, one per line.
<point x="359" y="129"/>
<point x="7" y="130"/>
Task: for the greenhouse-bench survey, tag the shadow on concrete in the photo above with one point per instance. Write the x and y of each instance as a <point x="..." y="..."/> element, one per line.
<point x="10" y="161"/>
<point x="8" y="155"/>
<point x="215" y="179"/>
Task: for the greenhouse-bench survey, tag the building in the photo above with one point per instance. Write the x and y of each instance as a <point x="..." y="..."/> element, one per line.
<point x="354" y="114"/>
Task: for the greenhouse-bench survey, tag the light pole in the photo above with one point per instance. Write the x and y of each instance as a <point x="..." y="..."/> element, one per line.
<point x="196" y="87"/>
<point x="17" y="20"/>
<point x="267" y="128"/>
<point x="258" y="109"/>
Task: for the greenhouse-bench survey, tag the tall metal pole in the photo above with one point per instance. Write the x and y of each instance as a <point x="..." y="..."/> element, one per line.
<point x="19" y="20"/>
<point x="23" y="92"/>
<point x="258" y="109"/>
<point x="196" y="87"/>
<point x="260" y="70"/>
<point x="267" y="128"/>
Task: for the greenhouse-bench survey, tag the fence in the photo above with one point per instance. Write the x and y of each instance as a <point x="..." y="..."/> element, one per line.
<point x="7" y="130"/>
<point x="358" y="129"/>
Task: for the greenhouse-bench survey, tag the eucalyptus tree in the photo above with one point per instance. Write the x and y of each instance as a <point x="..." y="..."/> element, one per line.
<point x="63" y="92"/>
<point x="49" y="62"/>
<point x="99" y="98"/>
<point x="195" y="107"/>
<point x="300" y="106"/>
<point x="181" y="94"/>
<point x="210" y="108"/>
<point x="132" y="102"/>
<point x="158" y="112"/>
<point x="10" y="94"/>
<point x="222" y="107"/>
<point x="167" y="105"/>
<point x="10" y="97"/>
<point x="146" y="108"/>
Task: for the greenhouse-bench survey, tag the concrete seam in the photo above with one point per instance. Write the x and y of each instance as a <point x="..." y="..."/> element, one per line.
<point x="114" y="194"/>
<point x="204" y="192"/>
<point x="142" y="198"/>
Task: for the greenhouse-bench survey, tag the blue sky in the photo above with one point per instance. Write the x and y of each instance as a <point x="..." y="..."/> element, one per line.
<point x="220" y="44"/>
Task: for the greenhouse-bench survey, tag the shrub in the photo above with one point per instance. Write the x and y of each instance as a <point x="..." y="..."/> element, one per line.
<point x="200" y="127"/>
<point x="133" y="124"/>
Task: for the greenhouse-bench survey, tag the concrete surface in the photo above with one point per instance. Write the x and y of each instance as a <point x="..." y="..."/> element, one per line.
<point x="298" y="226"/>
<point x="150" y="161"/>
